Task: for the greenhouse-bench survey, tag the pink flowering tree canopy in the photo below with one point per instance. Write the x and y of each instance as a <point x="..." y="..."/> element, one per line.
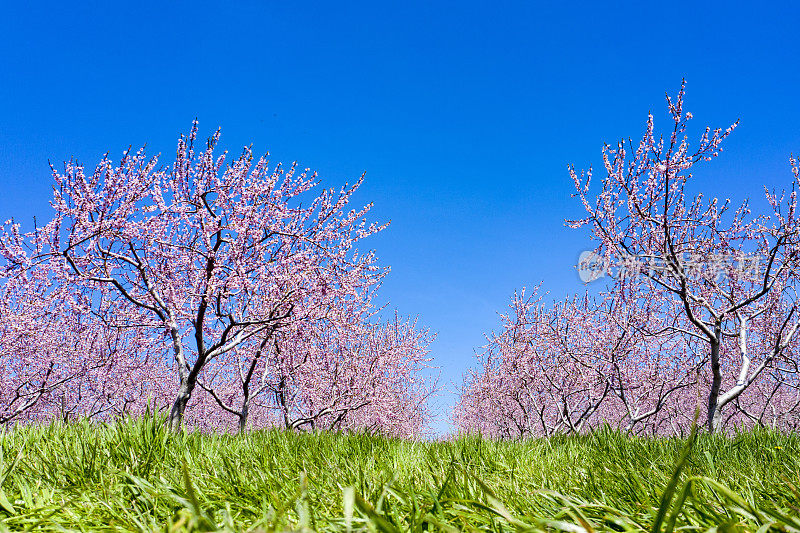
<point x="216" y="254"/>
<point x="721" y="267"/>
<point x="704" y="303"/>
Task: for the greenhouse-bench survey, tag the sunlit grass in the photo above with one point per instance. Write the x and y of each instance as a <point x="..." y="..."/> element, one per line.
<point x="135" y="476"/>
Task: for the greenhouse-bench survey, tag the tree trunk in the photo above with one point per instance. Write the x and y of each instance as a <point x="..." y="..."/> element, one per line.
<point x="714" y="412"/>
<point x="187" y="381"/>
<point x="178" y="408"/>
<point x="243" y="416"/>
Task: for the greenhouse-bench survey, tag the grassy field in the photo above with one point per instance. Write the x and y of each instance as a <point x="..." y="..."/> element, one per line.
<point x="134" y="476"/>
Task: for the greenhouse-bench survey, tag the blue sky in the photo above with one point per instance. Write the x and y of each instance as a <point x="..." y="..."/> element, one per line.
<point x="464" y="116"/>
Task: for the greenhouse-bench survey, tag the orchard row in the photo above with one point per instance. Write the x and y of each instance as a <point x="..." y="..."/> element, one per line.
<point x="233" y="295"/>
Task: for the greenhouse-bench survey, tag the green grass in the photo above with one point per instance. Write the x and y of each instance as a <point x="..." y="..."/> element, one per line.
<point x="134" y="476"/>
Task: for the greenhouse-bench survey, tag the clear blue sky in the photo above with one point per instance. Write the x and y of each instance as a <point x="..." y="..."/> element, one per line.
<point x="464" y="116"/>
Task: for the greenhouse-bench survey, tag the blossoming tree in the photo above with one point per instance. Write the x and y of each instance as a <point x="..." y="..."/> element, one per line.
<point x="328" y="375"/>
<point x="573" y="365"/>
<point x="722" y="268"/>
<point x="217" y="254"/>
